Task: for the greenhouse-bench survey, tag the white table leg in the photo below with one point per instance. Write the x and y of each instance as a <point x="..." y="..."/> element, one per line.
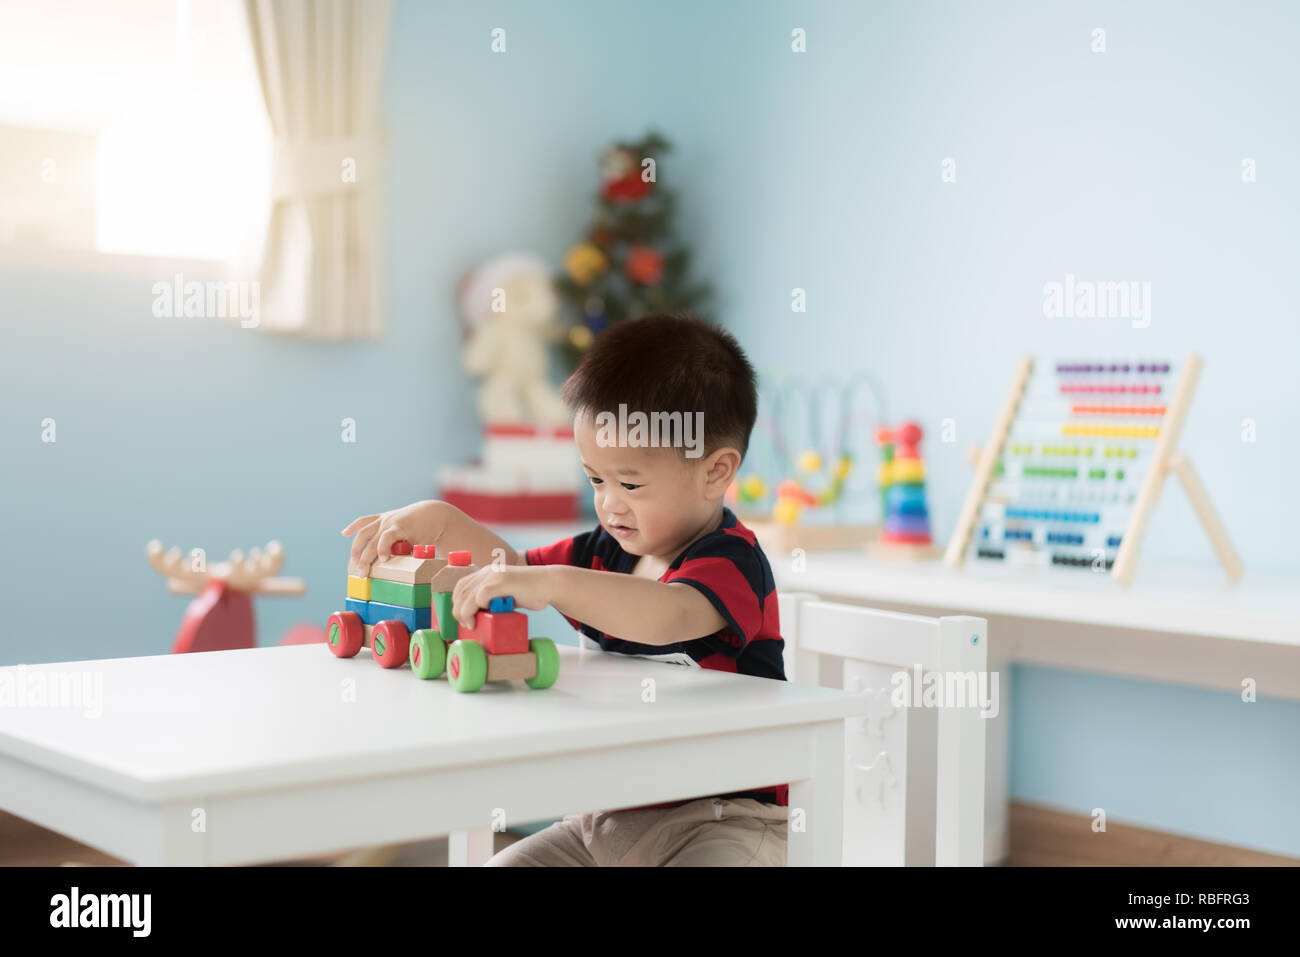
<point x="997" y="771"/>
<point x="469" y="848"/>
<point x="817" y="802"/>
<point x="181" y="839"/>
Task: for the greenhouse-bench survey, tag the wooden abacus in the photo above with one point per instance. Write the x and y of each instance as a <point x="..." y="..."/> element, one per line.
<point x="1041" y="492"/>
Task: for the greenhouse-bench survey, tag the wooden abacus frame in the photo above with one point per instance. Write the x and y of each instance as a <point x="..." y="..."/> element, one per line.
<point x="1164" y="459"/>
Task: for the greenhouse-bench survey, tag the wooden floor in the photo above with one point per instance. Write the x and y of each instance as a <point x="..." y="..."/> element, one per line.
<point x="1039" y="837"/>
<point x="1042" y="837"/>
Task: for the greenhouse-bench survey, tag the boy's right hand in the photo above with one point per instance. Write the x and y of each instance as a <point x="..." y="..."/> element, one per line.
<point x="420" y="524"/>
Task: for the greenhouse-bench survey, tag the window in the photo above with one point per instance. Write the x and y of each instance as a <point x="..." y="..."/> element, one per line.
<point x="133" y="126"/>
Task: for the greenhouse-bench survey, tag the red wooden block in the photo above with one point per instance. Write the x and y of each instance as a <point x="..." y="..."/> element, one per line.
<point x="500" y="633"/>
<point x="424" y="551"/>
<point x="401" y="548"/>
<point x="458" y="558"/>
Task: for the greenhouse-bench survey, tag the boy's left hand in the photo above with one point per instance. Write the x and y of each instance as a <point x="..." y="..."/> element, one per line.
<point x="527" y="585"/>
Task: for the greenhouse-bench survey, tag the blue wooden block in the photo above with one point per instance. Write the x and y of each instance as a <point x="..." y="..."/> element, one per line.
<point x="362" y="608"/>
<point x="504" y="603"/>
<point x="413" y="618"/>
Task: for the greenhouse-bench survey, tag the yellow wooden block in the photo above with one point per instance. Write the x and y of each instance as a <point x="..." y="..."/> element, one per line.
<point x="359" y="588"/>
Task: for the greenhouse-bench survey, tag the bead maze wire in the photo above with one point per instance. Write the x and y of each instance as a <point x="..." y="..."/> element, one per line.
<point x="827" y="417"/>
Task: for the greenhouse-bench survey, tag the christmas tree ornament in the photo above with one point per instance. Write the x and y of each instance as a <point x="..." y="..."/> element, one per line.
<point x="644" y="265"/>
<point x="584" y="262"/>
<point x="581" y="337"/>
<point x="624" y="179"/>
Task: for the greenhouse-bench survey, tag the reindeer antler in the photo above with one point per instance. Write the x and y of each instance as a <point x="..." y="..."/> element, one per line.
<point x="248" y="573"/>
<point x="252" y="574"/>
<point x="172" y="567"/>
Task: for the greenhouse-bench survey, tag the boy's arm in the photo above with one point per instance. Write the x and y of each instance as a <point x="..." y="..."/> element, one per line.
<point x="622" y="606"/>
<point x="634" y="609"/>
<point x="425" y="523"/>
<point x="460" y="532"/>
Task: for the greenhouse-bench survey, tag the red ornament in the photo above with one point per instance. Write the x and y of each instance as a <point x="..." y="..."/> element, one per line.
<point x="627" y="189"/>
<point x="621" y="172"/>
<point x="644" y="265"/>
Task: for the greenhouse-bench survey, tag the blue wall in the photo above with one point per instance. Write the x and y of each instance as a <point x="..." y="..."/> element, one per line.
<point x="820" y="171"/>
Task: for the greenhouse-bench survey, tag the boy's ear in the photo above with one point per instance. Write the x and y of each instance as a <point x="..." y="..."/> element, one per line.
<point x="720" y="470"/>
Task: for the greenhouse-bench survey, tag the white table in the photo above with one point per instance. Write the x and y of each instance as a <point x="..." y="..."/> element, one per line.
<point x="1178" y="623"/>
<point x="270" y="753"/>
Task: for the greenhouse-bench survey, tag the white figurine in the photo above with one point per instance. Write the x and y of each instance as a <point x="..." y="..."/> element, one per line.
<point x="508" y="305"/>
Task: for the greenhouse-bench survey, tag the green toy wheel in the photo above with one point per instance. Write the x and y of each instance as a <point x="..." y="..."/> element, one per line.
<point x="428" y="654"/>
<point x="466" y="665"/>
<point x="548" y="663"/>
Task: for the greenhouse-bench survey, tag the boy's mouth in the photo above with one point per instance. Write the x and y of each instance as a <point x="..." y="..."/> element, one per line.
<point x="622" y="531"/>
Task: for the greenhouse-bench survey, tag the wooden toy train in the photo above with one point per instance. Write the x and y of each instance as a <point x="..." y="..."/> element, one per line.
<point x="402" y="610"/>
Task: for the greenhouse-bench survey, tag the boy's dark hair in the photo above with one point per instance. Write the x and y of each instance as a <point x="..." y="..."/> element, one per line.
<point x="670" y="363"/>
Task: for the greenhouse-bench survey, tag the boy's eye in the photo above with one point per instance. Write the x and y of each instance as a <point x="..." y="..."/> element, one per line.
<point x="626" y="485"/>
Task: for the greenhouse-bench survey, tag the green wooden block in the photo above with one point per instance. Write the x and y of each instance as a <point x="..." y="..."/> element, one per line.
<point x="446" y="624"/>
<point x="399" y="593"/>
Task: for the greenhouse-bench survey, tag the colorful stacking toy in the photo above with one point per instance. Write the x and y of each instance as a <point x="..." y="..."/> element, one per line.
<point x="902" y="487"/>
<point x="402" y="609"/>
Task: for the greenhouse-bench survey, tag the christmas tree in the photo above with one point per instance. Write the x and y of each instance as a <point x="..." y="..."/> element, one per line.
<point x="629" y="264"/>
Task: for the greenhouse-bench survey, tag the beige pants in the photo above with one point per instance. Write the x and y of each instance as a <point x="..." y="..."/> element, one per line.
<point x="703" y="833"/>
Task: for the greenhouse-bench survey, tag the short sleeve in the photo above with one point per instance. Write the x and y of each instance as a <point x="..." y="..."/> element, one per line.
<point x="568" y="551"/>
<point x="730" y="575"/>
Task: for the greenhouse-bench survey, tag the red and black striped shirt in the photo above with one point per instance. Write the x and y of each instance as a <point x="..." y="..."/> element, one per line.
<point x="727" y="567"/>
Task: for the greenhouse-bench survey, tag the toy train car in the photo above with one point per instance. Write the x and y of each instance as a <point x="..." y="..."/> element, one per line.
<point x="402" y="610"/>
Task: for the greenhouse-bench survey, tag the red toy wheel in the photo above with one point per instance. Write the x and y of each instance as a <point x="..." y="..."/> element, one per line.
<point x="391" y="643"/>
<point x="344" y="632"/>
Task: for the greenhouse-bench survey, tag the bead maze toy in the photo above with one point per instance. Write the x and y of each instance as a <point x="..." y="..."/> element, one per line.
<point x="402" y="610"/>
<point x="1076" y="464"/>
<point x="806" y="500"/>
<point x="221" y="617"/>
<point x="905" y="530"/>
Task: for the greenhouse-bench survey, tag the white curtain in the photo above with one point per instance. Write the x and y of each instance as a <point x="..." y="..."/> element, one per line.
<point x="321" y="64"/>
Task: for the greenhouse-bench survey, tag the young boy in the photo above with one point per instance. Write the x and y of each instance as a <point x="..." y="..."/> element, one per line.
<point x="669" y="574"/>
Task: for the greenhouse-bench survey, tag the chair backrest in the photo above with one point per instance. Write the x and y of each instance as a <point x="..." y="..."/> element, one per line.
<point x="914" y="771"/>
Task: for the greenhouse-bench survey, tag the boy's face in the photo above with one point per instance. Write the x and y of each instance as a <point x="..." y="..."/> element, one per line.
<point x="653" y="501"/>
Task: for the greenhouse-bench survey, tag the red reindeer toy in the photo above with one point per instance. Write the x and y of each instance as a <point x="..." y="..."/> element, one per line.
<point x="221" y="617"/>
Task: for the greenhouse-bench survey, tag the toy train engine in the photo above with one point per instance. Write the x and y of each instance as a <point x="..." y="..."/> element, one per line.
<point x="402" y="610"/>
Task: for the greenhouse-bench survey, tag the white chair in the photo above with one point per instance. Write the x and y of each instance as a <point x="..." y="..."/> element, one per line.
<point x="914" y="769"/>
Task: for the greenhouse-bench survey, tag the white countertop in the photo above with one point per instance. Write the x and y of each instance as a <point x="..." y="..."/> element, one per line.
<point x="1188" y="599"/>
